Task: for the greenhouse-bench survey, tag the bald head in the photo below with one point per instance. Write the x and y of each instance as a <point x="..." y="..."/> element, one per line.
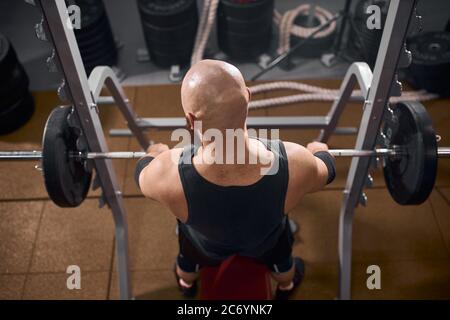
<point x="215" y="93"/>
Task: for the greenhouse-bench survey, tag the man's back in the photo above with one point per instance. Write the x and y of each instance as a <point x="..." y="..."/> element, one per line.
<point x="235" y="219"/>
<point x="163" y="183"/>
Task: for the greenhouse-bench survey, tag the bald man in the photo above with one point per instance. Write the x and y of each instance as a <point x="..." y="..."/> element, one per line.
<point x="237" y="206"/>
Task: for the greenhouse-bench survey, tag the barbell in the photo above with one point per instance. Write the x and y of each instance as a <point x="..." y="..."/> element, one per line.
<point x="349" y="153"/>
<point x="407" y="137"/>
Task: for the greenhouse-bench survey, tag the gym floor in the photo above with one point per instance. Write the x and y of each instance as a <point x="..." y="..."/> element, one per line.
<point x="38" y="240"/>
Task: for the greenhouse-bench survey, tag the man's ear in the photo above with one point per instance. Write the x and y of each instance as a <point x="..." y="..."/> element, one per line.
<point x="190" y="118"/>
<point x="249" y="94"/>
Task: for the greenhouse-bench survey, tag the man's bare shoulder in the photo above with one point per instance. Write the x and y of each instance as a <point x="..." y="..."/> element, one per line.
<point x="296" y="151"/>
<point x="166" y="162"/>
<point x="301" y="161"/>
<point x="160" y="174"/>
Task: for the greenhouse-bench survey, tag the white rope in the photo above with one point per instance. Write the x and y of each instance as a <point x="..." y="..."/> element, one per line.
<point x="204" y="30"/>
<point x="201" y="25"/>
<point x="287" y="26"/>
<point x="314" y="93"/>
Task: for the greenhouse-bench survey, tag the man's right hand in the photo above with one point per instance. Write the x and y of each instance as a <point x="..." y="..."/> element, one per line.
<point x="315" y="146"/>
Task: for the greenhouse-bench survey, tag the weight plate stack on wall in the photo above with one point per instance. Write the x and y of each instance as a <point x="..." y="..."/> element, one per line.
<point x="430" y="66"/>
<point x="244" y="27"/>
<point x="316" y="46"/>
<point x="95" y="38"/>
<point x="364" y="42"/>
<point x="170" y="27"/>
<point x="16" y="102"/>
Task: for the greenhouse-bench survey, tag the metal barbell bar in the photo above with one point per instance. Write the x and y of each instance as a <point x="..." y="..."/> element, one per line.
<point x="37" y="155"/>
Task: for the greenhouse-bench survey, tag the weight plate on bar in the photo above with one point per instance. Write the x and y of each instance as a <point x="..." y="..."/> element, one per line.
<point x="66" y="180"/>
<point x="410" y="178"/>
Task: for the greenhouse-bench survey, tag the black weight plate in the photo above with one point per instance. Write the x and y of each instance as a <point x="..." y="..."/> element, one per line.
<point x="411" y="178"/>
<point x="14" y="88"/>
<point x="4" y="47"/>
<point x="430" y="64"/>
<point x="8" y="57"/>
<point x="431" y="78"/>
<point x="99" y="47"/>
<point x="91" y="12"/>
<point x="365" y="47"/>
<point x="245" y="9"/>
<point x="316" y="46"/>
<point x="85" y="34"/>
<point x="367" y="41"/>
<point x="430" y="48"/>
<point x="240" y="53"/>
<point x="170" y="47"/>
<point x="240" y="46"/>
<point x="259" y="39"/>
<point x="361" y="14"/>
<point x="167" y="13"/>
<point x="66" y="180"/>
<point x="106" y="60"/>
<point x="99" y="57"/>
<point x="16" y="115"/>
<point x="255" y="25"/>
<point x="182" y="33"/>
<point x="13" y="98"/>
<point x="98" y="35"/>
<point x="165" y="60"/>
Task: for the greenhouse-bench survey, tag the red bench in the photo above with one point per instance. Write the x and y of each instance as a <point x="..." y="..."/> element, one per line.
<point x="237" y="278"/>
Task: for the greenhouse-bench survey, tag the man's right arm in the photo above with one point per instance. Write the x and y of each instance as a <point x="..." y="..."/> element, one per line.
<point x="325" y="163"/>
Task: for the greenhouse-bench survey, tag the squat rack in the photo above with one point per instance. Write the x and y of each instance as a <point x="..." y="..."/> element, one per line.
<point x="84" y="94"/>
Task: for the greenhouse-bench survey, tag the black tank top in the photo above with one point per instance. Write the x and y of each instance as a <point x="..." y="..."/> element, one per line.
<point x="228" y="220"/>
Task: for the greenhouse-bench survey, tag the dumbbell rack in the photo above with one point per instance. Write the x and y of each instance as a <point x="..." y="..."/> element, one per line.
<point x="84" y="94"/>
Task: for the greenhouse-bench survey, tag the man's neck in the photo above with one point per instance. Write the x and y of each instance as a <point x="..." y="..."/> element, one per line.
<point x="230" y="146"/>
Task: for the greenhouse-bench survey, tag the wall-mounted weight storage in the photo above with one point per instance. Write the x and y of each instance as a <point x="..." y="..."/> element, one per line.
<point x="244" y="28"/>
<point x="430" y="64"/>
<point x="169" y="29"/>
<point x="95" y="38"/>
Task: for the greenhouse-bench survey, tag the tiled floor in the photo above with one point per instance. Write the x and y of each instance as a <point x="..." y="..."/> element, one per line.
<point x="38" y="240"/>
